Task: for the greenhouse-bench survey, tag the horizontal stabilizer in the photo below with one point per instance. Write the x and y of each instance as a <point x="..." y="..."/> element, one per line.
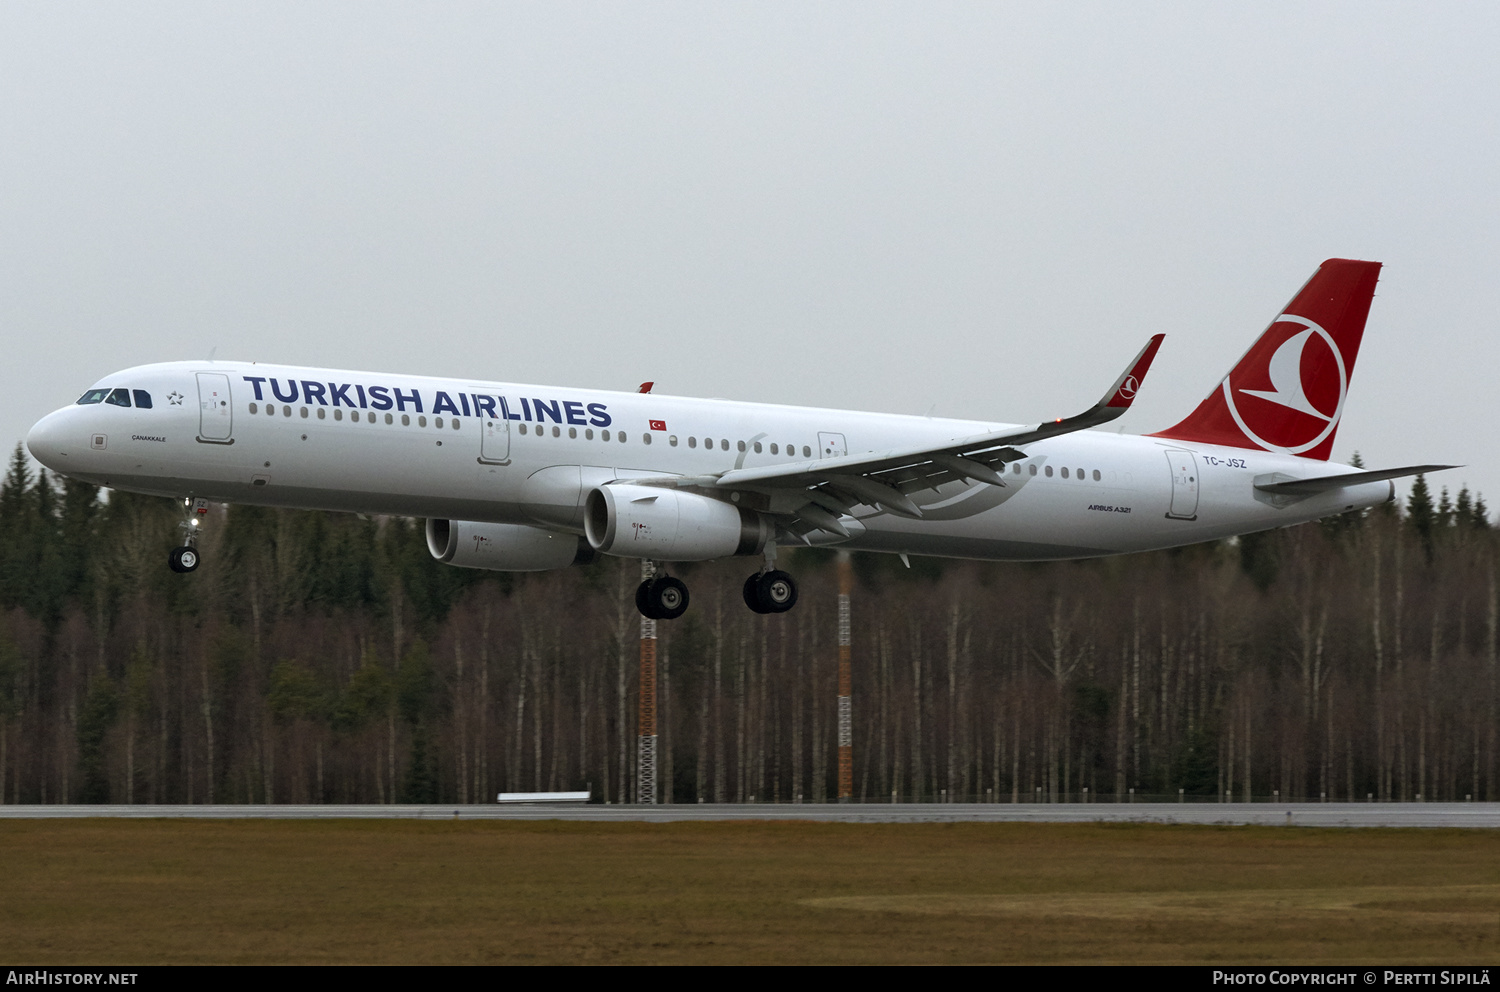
<point x="1328" y="483"/>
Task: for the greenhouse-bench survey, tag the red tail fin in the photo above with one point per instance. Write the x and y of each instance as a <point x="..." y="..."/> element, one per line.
<point x="1287" y="392"/>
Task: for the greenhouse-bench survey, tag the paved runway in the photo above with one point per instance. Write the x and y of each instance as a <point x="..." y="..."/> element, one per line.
<point x="1477" y="815"/>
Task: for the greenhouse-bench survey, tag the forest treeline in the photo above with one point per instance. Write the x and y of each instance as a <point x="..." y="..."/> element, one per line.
<point x="327" y="658"/>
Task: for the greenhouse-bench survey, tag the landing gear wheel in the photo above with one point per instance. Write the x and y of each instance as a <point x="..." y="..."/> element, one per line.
<point x="643" y="601"/>
<point x="752" y="597"/>
<point x="669" y="597"/>
<point x="770" y="592"/>
<point x="183" y="559"/>
<point x="662" y="598"/>
<point x="777" y="591"/>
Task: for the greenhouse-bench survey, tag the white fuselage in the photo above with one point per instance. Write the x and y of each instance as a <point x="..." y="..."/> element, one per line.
<point x="507" y="453"/>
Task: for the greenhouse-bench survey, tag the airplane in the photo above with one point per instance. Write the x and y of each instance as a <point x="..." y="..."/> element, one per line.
<point x="516" y="477"/>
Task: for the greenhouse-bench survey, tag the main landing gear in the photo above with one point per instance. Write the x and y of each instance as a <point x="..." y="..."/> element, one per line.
<point x="661" y="598"/>
<point x="185" y="558"/>
<point x="772" y="591"/>
<point x="666" y="598"/>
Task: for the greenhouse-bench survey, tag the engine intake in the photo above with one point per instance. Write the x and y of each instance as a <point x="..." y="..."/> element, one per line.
<point x="670" y="525"/>
<point x="505" y="547"/>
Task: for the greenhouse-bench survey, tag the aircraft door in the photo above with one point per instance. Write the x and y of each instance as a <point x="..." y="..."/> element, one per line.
<point x="1184" y="466"/>
<point x="831" y="445"/>
<point x="215" y="412"/>
<point x="494" y="441"/>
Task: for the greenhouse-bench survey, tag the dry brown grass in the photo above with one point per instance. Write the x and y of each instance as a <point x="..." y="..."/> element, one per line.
<point x="470" y="892"/>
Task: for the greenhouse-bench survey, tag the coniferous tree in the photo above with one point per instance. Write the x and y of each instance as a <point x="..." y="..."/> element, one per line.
<point x="1420" y="514"/>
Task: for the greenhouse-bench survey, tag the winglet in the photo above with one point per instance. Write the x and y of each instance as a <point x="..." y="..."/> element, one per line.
<point x="1122" y="393"/>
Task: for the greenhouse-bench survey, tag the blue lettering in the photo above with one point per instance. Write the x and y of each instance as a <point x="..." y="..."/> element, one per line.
<point x="313" y="391"/>
<point x="574" y="412"/>
<point x="255" y="381"/>
<point x="415" y="399"/>
<point x="545" y="409"/>
<point x="339" y="392"/>
<point x="525" y="409"/>
<point x="601" y="417"/>
<point x="361" y="391"/>
<point x="444" y="404"/>
<point x="485" y="406"/>
<point x="505" y="410"/>
<point x="276" y="391"/>
<point x="380" y="398"/>
<point x="464" y="398"/>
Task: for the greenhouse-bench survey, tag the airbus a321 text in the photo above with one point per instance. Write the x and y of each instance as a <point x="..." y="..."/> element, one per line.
<point x="525" y="478"/>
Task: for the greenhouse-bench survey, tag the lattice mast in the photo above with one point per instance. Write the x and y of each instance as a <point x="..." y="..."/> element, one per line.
<point x="846" y="702"/>
<point x="645" y="752"/>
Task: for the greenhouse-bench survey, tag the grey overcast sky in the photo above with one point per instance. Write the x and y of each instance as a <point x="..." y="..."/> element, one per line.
<point x="981" y="210"/>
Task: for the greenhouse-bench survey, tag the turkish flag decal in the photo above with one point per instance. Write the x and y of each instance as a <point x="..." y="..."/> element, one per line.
<point x="658" y="425"/>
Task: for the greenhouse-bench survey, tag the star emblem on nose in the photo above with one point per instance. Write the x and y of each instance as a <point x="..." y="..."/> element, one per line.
<point x="174" y="398"/>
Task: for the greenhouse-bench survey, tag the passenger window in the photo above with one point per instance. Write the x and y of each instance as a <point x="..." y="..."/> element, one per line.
<point x="1032" y="468"/>
<point x="757" y="447"/>
<point x="1049" y="471"/>
<point x="253" y="407"/>
<point x="692" y="442"/>
<point x="572" y="432"/>
<point x="646" y="438"/>
<point x="1017" y="467"/>
<point x="806" y="451"/>
<point x="1064" y="472"/>
<point x="304" y="413"/>
<point x="774" y="449"/>
<point x="118" y="397"/>
<point x="672" y="440"/>
<point x="421" y="421"/>
<point x="438" y="423"/>
<point x="286" y="411"/>
<point x="388" y="418"/>
<point x="724" y="444"/>
<point x="557" y="432"/>
<point x="454" y="423"/>
<point x="142" y="398"/>
<point x="741" y="445"/>
<point x="603" y="435"/>
<point x="588" y="434"/>
<point x="708" y="443"/>
<point x="406" y="422"/>
<point x="93" y="396"/>
<point x="622" y="437"/>
<point x="270" y="409"/>
<point x="1096" y="475"/>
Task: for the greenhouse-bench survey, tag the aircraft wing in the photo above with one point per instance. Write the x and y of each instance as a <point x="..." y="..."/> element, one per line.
<point x="835" y="485"/>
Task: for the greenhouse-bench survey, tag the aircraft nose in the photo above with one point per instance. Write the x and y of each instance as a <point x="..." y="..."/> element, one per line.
<point x="49" y="440"/>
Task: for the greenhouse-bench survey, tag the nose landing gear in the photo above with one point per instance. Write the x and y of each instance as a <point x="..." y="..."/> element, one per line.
<point x="185" y="558"/>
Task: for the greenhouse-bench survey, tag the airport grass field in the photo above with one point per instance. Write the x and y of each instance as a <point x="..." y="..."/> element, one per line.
<point x="184" y="891"/>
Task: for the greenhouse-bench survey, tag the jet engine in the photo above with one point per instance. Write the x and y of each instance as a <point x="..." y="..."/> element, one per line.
<point x="670" y="525"/>
<point x="505" y="547"/>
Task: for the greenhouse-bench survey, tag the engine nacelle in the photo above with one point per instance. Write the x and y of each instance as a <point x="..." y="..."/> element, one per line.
<point x="669" y="525"/>
<point x="505" y="547"/>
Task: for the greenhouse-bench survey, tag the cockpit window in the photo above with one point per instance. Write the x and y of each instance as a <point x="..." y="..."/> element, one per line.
<point x="142" y="398"/>
<point x="118" y="397"/>
<point x="93" y="396"/>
